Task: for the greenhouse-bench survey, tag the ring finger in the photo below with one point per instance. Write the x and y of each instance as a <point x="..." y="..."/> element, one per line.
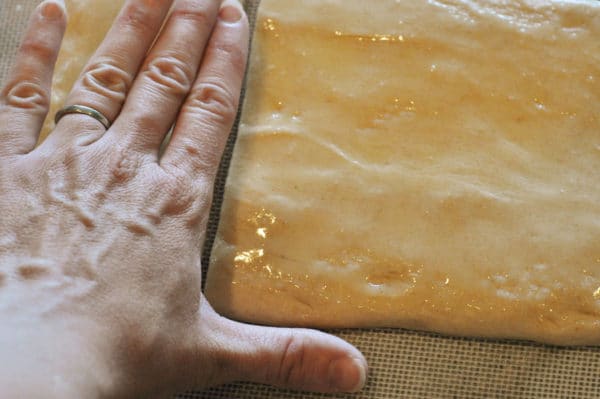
<point x="107" y="77"/>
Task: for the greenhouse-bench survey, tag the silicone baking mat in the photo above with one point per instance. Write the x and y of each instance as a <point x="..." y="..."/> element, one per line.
<point x="403" y="364"/>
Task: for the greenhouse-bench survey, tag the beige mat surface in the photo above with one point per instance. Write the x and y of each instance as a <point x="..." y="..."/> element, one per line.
<point x="405" y="364"/>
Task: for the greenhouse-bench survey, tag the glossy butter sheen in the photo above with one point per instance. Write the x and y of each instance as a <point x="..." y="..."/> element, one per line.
<point x="431" y="165"/>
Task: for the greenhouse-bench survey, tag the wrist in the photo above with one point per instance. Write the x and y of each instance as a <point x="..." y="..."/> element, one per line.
<point x="49" y="361"/>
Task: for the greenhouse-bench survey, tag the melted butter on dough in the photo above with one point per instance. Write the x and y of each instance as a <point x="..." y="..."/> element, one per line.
<point x="430" y="165"/>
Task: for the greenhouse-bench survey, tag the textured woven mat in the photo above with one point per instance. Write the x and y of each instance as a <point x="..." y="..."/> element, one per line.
<point x="403" y="364"/>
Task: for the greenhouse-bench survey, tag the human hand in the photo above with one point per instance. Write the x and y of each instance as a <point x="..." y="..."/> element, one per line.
<point x="100" y="237"/>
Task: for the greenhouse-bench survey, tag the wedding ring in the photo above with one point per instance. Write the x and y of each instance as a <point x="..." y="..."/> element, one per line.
<point x="82" y="109"/>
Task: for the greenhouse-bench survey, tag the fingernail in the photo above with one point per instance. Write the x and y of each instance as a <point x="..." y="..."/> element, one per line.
<point x="347" y="375"/>
<point x="53" y="9"/>
<point x="230" y="13"/>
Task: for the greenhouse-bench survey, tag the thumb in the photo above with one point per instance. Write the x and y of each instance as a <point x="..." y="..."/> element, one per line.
<point x="298" y="359"/>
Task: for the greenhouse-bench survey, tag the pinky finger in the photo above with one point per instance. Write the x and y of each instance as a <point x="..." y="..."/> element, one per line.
<point x="25" y="98"/>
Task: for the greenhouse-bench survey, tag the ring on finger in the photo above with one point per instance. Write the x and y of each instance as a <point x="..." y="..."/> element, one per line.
<point x="83" y="110"/>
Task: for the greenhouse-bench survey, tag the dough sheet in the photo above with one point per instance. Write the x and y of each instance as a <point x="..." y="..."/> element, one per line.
<point x="426" y="165"/>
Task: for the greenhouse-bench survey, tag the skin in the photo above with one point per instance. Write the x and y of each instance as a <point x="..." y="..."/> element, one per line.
<point x="100" y="237"/>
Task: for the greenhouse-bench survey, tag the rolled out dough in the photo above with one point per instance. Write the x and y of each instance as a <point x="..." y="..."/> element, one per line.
<point x="430" y="165"/>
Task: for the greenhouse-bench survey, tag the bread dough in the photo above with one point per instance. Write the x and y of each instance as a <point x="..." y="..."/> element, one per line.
<point x="427" y="165"/>
<point x="88" y="23"/>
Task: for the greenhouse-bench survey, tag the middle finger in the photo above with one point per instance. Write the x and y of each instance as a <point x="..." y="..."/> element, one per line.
<point x="166" y="76"/>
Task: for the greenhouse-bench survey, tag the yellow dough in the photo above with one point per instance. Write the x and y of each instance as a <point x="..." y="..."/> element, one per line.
<point x="430" y="165"/>
<point x="88" y="22"/>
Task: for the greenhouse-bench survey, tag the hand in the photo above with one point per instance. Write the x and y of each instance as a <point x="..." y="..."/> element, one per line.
<point x="100" y="237"/>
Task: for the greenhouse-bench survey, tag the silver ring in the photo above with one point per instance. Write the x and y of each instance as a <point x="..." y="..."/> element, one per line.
<point x="82" y="109"/>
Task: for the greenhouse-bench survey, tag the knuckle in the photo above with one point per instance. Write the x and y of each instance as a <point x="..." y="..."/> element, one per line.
<point x="173" y="183"/>
<point x="197" y="16"/>
<point x="27" y="95"/>
<point x="292" y="366"/>
<point x="124" y="165"/>
<point x="170" y="73"/>
<point x="144" y="123"/>
<point x="108" y="79"/>
<point x="231" y="52"/>
<point x="204" y="157"/>
<point x="215" y="99"/>
<point x="138" y="17"/>
<point x="184" y="197"/>
<point x="42" y="51"/>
